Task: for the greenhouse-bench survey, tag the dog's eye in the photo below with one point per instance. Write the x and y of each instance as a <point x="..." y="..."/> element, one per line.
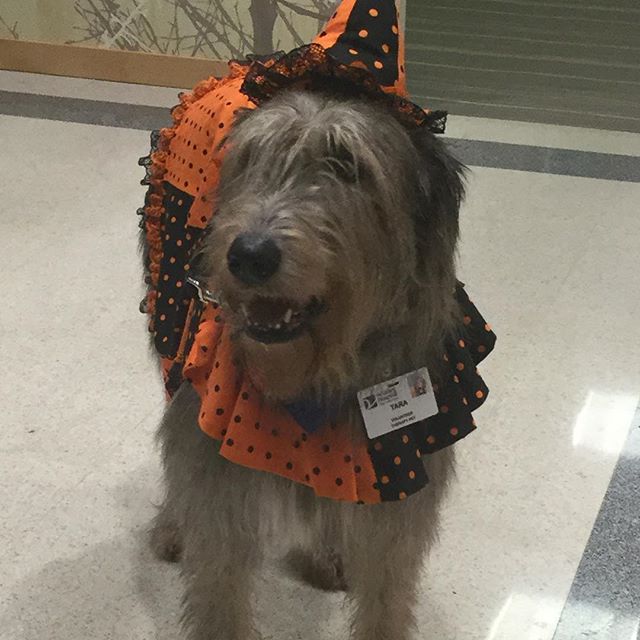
<point x="343" y="164"/>
<point x="346" y="172"/>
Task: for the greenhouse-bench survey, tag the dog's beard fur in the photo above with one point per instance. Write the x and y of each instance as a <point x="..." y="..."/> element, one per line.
<point x="365" y="213"/>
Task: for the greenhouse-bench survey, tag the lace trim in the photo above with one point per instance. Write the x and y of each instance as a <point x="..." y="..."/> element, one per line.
<point x="312" y="67"/>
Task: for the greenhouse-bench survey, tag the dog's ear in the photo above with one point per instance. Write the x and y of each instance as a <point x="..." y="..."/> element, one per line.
<point x="440" y="190"/>
<point x="440" y="175"/>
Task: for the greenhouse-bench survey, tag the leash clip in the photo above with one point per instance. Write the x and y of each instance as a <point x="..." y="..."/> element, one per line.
<point x="204" y="295"/>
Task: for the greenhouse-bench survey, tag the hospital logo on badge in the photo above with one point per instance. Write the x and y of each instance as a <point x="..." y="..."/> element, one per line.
<point x="370" y="402"/>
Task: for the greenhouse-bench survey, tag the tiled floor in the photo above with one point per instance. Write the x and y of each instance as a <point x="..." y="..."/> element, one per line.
<point x="551" y="260"/>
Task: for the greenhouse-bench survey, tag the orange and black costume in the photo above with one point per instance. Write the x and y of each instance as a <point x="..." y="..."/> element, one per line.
<point x="361" y="45"/>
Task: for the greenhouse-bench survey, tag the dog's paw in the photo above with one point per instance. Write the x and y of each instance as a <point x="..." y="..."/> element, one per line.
<point x="323" y="571"/>
<point x="165" y="541"/>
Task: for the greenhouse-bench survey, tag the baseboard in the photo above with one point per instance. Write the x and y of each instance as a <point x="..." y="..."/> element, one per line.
<point x="106" y="64"/>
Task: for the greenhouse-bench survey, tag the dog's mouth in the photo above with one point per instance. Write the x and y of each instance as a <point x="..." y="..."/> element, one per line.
<point x="273" y="320"/>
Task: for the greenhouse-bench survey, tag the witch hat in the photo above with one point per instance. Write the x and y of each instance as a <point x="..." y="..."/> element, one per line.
<point x="366" y="34"/>
<point x="361" y="44"/>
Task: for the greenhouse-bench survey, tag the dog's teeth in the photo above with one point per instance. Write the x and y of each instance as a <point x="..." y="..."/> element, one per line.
<point x="278" y="326"/>
<point x="288" y="316"/>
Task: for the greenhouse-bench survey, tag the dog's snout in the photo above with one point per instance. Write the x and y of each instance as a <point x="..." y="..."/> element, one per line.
<point x="254" y="258"/>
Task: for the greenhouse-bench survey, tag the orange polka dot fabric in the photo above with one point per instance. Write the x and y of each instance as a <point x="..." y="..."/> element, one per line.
<point x="360" y="45"/>
<point x="193" y="161"/>
<point x="266" y="437"/>
<point x="262" y="436"/>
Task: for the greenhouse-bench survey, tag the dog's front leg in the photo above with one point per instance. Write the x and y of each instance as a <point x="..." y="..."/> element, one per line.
<point x="216" y="600"/>
<point x="220" y="558"/>
<point x="211" y="514"/>
<point x="383" y="575"/>
<point x="386" y="548"/>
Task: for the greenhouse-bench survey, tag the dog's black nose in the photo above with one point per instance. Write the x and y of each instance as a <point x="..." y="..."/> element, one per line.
<point x="253" y="258"/>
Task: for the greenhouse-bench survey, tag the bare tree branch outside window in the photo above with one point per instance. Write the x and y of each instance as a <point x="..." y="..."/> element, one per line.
<point x="209" y="28"/>
<point x="12" y="29"/>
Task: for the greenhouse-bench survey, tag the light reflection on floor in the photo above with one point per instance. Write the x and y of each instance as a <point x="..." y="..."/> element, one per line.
<point x="526" y="617"/>
<point x="603" y="423"/>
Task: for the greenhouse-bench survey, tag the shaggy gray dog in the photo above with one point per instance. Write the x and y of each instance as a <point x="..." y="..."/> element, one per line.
<point x="333" y="253"/>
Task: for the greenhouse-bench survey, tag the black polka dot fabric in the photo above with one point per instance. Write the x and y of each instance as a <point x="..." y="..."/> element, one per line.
<point x="398" y="465"/>
<point x="397" y="456"/>
<point x="371" y="39"/>
<point x="174" y="294"/>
